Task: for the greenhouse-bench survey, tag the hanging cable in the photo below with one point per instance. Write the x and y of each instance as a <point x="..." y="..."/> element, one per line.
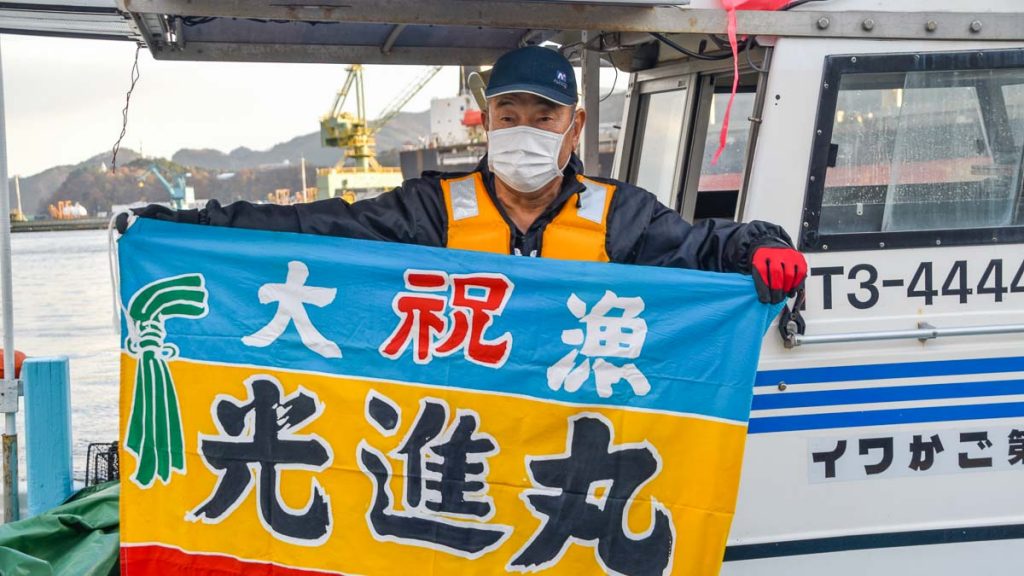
<point x="750" y="61"/>
<point x="124" y="112"/>
<point x="197" y="20"/>
<point x="614" y="83"/>
<point x="796" y="3"/>
<point x="722" y="43"/>
<point x="699" y="56"/>
<point x="200" y="20"/>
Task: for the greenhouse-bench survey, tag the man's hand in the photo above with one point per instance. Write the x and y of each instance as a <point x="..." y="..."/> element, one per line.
<point x="778" y="272"/>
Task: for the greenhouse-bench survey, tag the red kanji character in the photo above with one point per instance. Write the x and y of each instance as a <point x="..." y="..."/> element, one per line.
<point x="421" y="315"/>
<point x="477" y="299"/>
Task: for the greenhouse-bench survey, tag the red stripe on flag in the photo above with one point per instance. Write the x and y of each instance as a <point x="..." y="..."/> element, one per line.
<point x="158" y="560"/>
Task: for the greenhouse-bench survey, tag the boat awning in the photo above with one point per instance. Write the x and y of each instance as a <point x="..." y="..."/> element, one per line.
<point x="466" y="32"/>
<point x="101" y="19"/>
<point x="234" y="39"/>
<point x="470" y="32"/>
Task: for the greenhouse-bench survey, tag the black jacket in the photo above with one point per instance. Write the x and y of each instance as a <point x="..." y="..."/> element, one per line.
<point x="641" y="230"/>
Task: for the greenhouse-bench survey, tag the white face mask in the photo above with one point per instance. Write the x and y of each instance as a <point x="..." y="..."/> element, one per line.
<point x="526" y="158"/>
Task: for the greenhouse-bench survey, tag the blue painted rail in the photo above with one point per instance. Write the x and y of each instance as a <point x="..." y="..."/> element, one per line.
<point x="47" y="390"/>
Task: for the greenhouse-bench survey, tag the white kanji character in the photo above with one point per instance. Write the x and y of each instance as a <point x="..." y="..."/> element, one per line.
<point x="291" y="298"/>
<point x="606" y="374"/>
<point x="619" y="335"/>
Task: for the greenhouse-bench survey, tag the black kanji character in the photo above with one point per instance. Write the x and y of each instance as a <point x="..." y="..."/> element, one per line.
<point x="981" y="439"/>
<point x="382" y="413"/>
<point x="257" y="441"/>
<point x="922" y="454"/>
<point x="1016" y="449"/>
<point x="885" y="444"/>
<point x="830" y="458"/>
<point x="455" y="484"/>
<point x="429" y="424"/>
<point x="456" y="475"/>
<point x="590" y="515"/>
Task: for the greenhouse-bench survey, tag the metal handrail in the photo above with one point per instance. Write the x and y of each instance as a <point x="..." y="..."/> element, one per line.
<point x="923" y="333"/>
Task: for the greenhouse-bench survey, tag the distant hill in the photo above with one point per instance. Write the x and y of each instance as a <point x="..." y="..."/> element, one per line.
<point x="289" y="152"/>
<point x="133" y="181"/>
<point x="37" y="188"/>
<point x="405" y="129"/>
<point x="255" y="172"/>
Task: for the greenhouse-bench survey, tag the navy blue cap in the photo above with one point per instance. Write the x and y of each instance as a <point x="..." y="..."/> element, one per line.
<point x="539" y="71"/>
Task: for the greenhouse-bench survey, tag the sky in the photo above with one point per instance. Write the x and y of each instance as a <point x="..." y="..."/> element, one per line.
<point x="64" y="99"/>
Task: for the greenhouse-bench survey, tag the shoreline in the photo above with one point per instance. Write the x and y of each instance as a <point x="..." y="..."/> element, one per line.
<point x="60" y="225"/>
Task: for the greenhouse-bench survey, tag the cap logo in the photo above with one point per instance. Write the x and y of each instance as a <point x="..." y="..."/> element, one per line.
<point x="561" y="79"/>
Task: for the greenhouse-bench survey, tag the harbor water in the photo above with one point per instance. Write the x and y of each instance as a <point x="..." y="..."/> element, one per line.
<point x="62" y="307"/>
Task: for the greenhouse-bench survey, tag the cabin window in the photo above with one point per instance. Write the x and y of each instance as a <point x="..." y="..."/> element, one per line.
<point x="660" y="138"/>
<point x="712" y="190"/>
<point x="718" y="184"/>
<point x="1013" y="95"/>
<point x="916" y="150"/>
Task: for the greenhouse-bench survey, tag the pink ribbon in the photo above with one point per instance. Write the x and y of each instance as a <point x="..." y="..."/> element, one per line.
<point x="731" y="6"/>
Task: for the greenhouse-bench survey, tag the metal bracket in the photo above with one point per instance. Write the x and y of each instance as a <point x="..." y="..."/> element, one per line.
<point x="10" y="391"/>
<point x="791" y="322"/>
<point x="929" y="336"/>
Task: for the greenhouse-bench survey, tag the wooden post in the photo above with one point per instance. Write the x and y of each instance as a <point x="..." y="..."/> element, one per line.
<point x="47" y="383"/>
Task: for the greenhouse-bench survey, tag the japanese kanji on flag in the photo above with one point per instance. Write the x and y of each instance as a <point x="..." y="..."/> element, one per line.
<point x="298" y="404"/>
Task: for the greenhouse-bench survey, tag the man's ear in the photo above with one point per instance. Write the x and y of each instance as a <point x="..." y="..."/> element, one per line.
<point x="484" y="118"/>
<point x="577" y="129"/>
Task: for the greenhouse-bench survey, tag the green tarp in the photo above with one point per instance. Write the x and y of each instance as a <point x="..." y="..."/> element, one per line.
<point x="79" y="537"/>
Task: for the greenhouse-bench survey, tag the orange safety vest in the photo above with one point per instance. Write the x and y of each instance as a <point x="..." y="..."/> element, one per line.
<point x="577" y="233"/>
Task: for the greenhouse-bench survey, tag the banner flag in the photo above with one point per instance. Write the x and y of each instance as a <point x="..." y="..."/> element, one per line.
<point x="299" y="405"/>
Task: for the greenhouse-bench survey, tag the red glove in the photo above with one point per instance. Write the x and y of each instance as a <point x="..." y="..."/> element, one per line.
<point x="778" y="272"/>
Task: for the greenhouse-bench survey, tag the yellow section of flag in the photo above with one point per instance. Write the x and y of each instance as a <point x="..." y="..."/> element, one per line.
<point x="360" y="422"/>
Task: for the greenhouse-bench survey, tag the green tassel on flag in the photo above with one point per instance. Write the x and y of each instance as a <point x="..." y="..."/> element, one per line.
<point x="154" y="432"/>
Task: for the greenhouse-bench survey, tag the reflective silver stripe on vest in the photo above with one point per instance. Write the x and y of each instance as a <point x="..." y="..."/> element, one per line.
<point x="463" y="198"/>
<point x="592" y="201"/>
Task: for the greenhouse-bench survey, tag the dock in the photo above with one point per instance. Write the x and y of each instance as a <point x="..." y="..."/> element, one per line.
<point x="60" y="225"/>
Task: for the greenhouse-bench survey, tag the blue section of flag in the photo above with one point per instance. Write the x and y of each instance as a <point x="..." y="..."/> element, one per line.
<point x="700" y="355"/>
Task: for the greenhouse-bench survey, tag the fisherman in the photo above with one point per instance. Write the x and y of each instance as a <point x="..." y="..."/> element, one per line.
<point x="528" y="196"/>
